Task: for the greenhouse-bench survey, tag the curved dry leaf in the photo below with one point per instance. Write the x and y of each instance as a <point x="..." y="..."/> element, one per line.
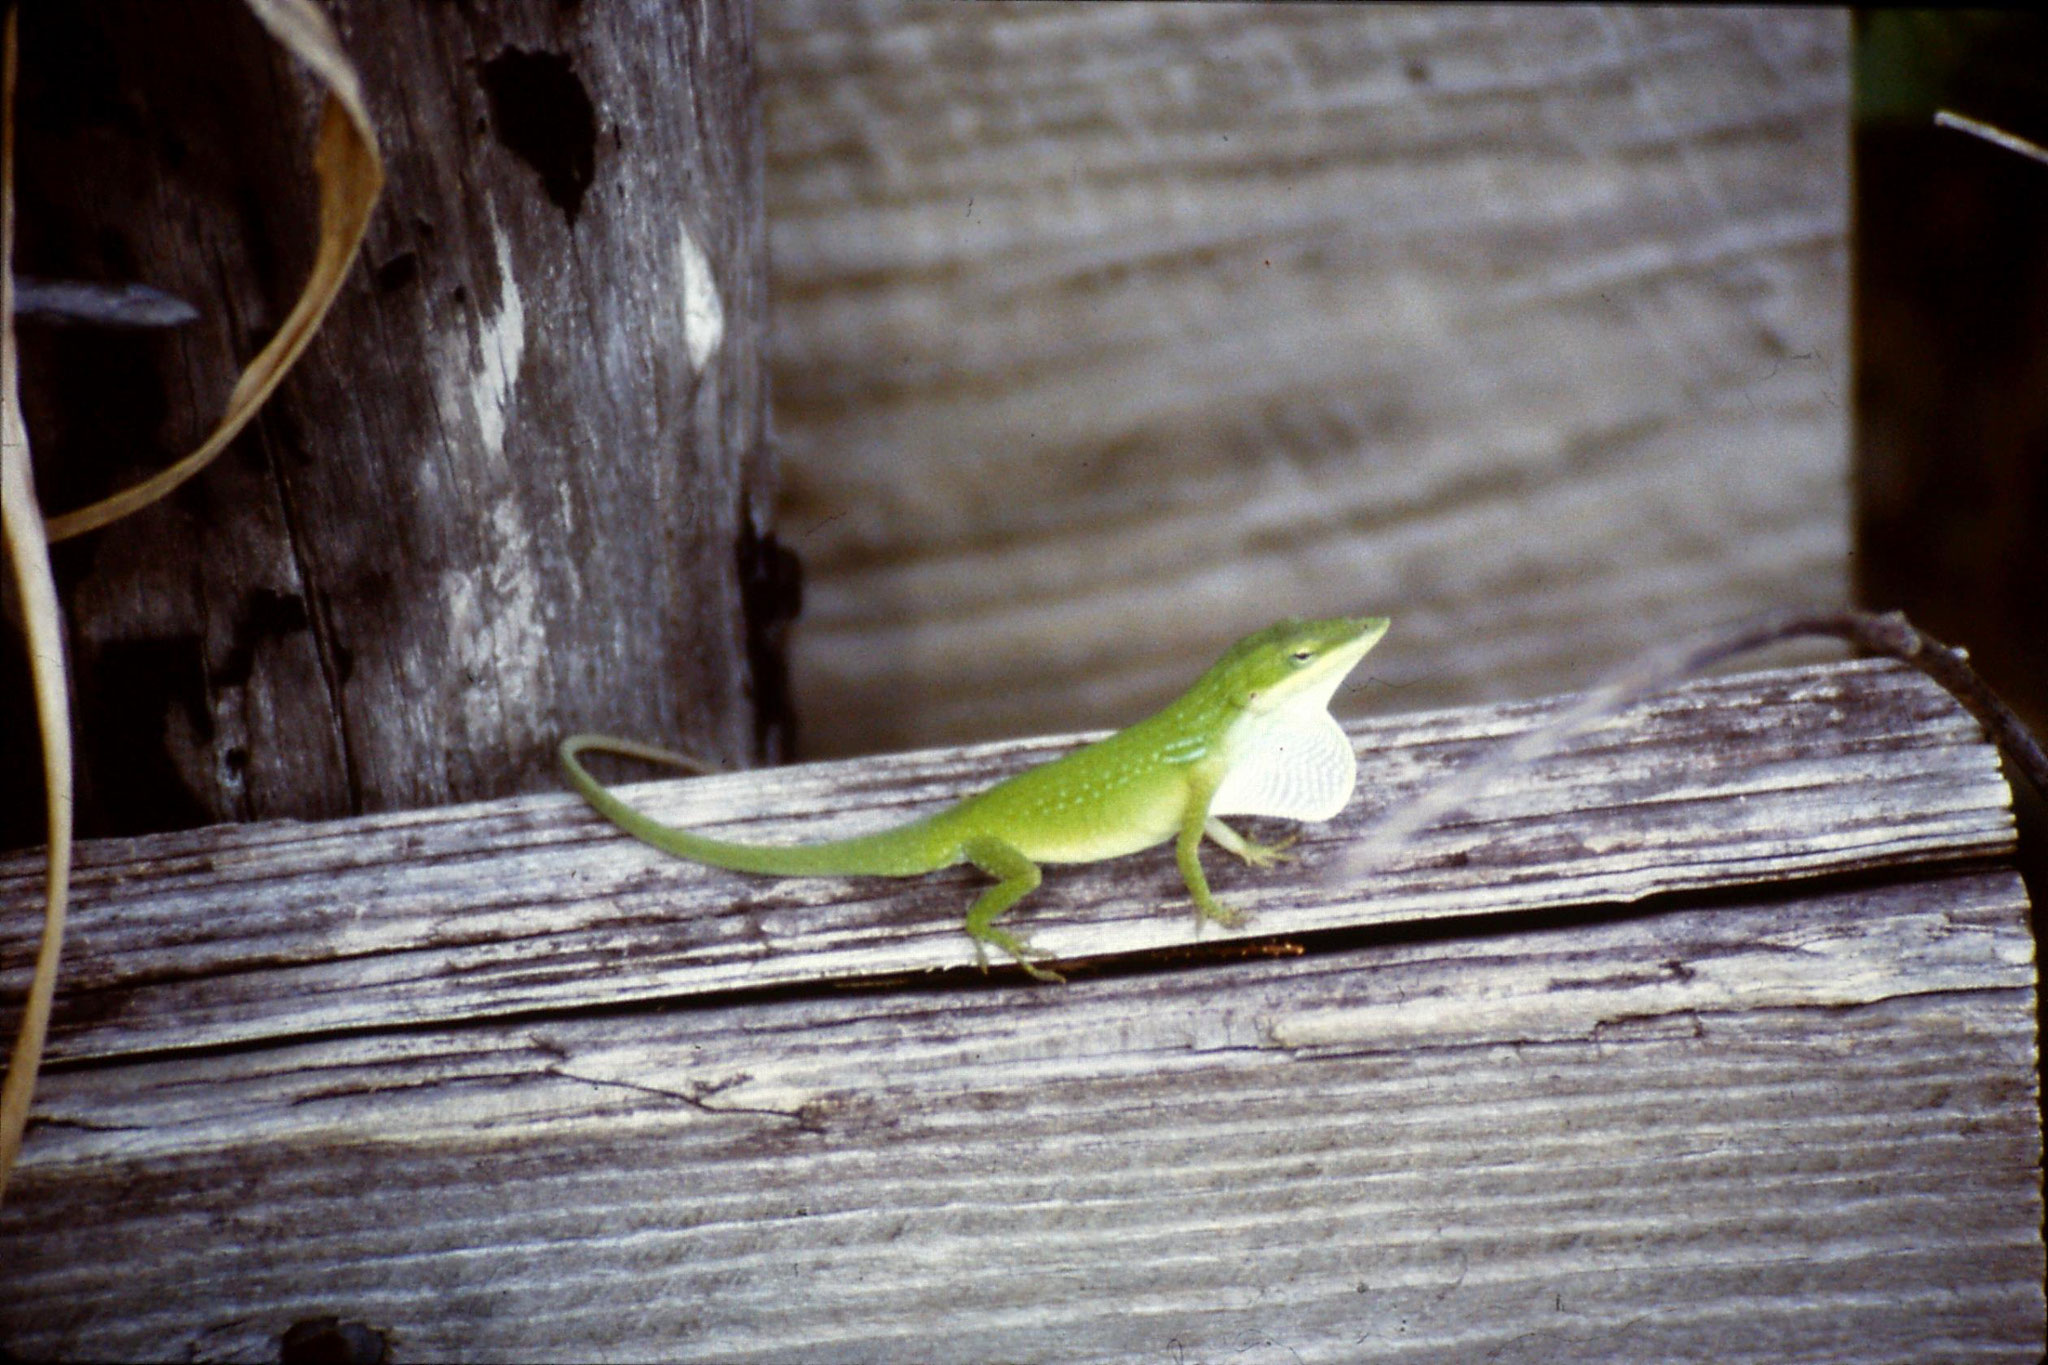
<point x="28" y="556"/>
<point x="351" y="175"/>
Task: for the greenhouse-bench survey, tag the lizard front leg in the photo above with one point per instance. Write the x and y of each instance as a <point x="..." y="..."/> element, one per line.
<point x="1187" y="851"/>
<point x="1251" y="850"/>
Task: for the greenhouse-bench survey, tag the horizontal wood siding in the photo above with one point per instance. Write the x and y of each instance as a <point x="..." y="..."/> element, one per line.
<point x="1103" y="334"/>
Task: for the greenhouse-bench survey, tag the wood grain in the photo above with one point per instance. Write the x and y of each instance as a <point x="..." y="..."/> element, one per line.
<point x="1103" y="334"/>
<point x="268" y="932"/>
<point x="490" y="1082"/>
<point x="1801" y="1127"/>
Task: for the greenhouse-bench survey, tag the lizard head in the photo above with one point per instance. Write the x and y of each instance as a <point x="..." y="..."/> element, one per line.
<point x="1296" y="663"/>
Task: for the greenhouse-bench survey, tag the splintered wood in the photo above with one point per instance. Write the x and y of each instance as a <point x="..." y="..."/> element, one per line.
<point x="1712" y="1037"/>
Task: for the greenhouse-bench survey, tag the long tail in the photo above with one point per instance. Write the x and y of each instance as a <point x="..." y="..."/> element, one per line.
<point x="896" y="852"/>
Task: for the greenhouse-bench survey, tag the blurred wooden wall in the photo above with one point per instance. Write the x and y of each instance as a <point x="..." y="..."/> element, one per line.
<point x="1105" y="333"/>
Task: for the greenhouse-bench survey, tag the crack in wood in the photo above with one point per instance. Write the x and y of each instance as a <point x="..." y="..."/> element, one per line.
<point x="807" y="1117"/>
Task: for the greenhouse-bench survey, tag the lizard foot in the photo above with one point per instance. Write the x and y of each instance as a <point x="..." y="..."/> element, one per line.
<point x="1266" y="855"/>
<point x="1221" y="914"/>
<point x="1016" y="948"/>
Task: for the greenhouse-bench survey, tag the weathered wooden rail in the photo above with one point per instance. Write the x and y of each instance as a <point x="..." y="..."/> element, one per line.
<point x="1710" y="1038"/>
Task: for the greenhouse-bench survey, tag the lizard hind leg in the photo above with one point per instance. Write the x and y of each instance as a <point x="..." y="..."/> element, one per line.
<point x="1016" y="877"/>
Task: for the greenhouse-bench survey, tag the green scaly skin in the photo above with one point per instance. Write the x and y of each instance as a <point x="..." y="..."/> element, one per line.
<point x="1135" y="789"/>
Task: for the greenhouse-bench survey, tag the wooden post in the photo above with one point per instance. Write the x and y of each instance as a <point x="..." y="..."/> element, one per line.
<point x="518" y="485"/>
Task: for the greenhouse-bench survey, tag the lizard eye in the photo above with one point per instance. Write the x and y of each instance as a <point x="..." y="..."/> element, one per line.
<point x="1302" y="656"/>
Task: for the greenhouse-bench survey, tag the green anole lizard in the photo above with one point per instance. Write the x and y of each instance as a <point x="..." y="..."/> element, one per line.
<point x="1253" y="736"/>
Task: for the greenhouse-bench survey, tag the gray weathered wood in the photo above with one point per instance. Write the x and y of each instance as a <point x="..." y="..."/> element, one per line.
<point x="477" y="1079"/>
<point x="1104" y="333"/>
<point x="1801" y="1128"/>
<point x="512" y="488"/>
<point x="263" y="932"/>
